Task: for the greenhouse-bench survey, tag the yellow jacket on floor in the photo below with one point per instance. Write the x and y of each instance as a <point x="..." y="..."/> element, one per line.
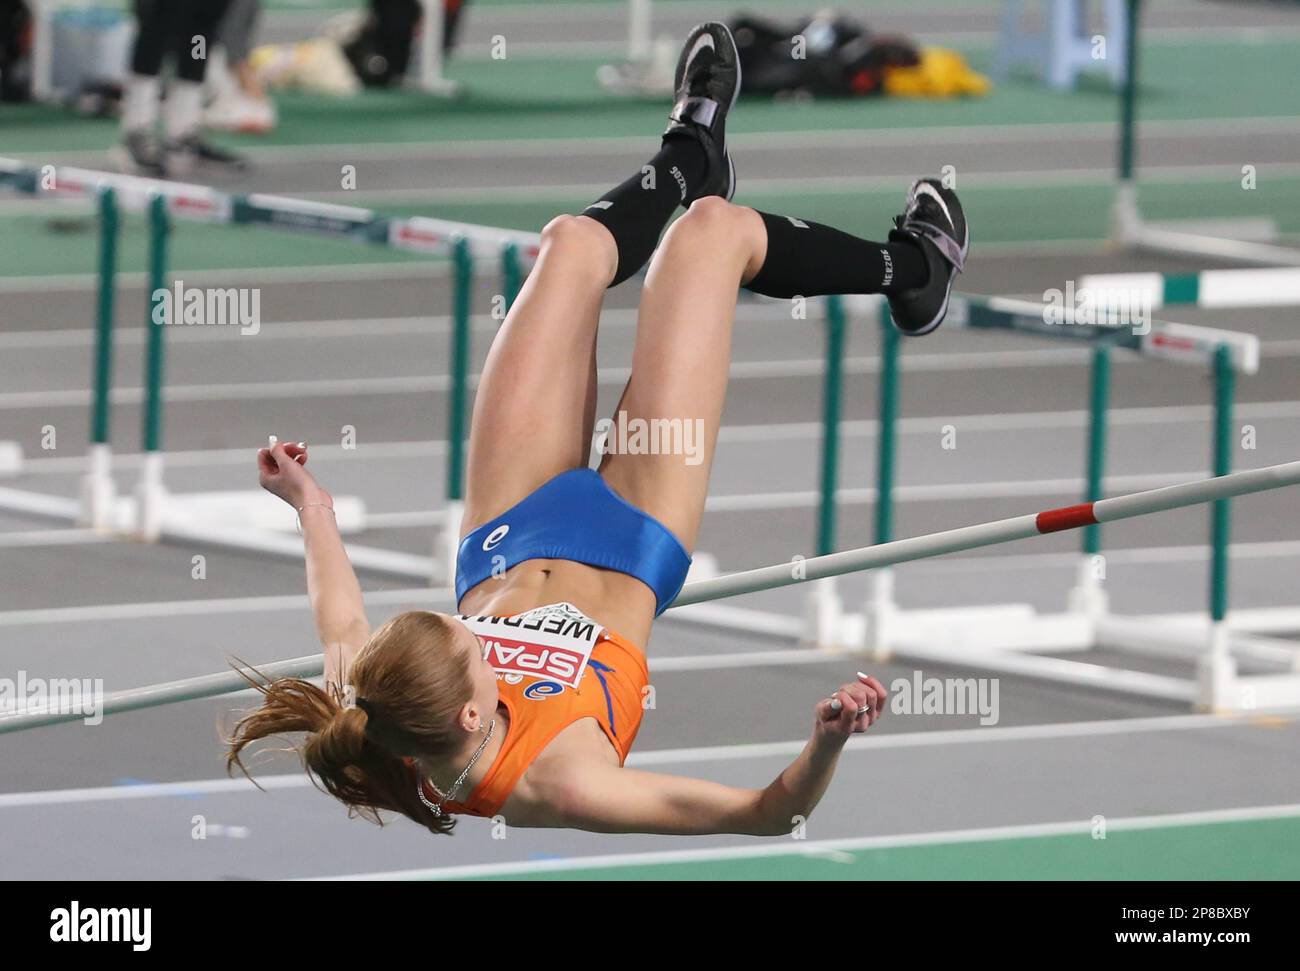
<point x="942" y="73"/>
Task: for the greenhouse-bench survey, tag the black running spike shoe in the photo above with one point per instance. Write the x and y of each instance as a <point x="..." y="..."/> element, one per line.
<point x="707" y="83"/>
<point x="934" y="220"/>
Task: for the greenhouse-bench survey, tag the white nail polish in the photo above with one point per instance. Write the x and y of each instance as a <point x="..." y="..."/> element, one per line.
<point x="271" y="440"/>
<point x="861" y="675"/>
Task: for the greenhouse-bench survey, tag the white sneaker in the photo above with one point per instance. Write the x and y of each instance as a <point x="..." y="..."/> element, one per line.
<point x="238" y="112"/>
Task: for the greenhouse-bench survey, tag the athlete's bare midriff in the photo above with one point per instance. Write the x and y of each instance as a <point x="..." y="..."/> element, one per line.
<point x="619" y="602"/>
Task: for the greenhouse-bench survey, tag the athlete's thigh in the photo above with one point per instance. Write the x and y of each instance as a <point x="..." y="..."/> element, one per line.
<point x="661" y="439"/>
<point x="531" y="411"/>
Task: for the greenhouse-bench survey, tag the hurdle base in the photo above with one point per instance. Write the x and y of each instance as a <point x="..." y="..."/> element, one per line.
<point x="1130" y="231"/>
<point x="98" y="493"/>
<point x="11" y="459"/>
<point x="1011" y="639"/>
<point x="256" y="509"/>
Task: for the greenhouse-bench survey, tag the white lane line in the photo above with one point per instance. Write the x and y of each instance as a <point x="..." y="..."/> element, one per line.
<point x="975" y="38"/>
<point x="53" y="537"/>
<point x="682" y="756"/>
<point x="439" y="598"/>
<point x="735" y="434"/>
<point x="198" y="608"/>
<point x="433" y="269"/>
<point x="435" y="384"/>
<point x="1148" y="555"/>
<point x="811" y="498"/>
<point x="832" y="847"/>
<point x="1101" y="174"/>
<point x="408" y="269"/>
<point x="356" y="328"/>
<point x="1028" y="133"/>
<point x="946" y="737"/>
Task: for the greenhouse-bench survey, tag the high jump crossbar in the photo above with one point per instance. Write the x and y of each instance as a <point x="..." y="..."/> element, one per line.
<point x="798" y="570"/>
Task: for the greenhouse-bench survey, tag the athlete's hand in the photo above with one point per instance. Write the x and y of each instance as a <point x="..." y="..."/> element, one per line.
<point x="281" y="472"/>
<point x="852" y="708"/>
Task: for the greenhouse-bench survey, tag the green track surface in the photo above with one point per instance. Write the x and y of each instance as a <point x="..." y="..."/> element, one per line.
<point x="1267" y="849"/>
<point x="1207" y="80"/>
<point x="503" y="99"/>
<point x="33" y="244"/>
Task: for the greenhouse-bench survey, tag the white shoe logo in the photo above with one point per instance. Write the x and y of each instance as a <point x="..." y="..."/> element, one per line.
<point x="925" y="189"/>
<point x="495" y="537"/>
<point x="705" y="42"/>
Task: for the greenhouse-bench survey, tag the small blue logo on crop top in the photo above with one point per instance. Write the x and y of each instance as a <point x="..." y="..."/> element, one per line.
<point x="495" y="537"/>
<point x="541" y="690"/>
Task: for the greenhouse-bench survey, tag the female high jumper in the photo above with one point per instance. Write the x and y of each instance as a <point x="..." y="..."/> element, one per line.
<point x="525" y="705"/>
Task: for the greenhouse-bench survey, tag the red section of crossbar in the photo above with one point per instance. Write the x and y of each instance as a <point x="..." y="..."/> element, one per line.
<point x="1067" y="517"/>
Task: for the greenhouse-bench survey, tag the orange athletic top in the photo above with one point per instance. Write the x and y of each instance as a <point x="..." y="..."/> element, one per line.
<point x="554" y="666"/>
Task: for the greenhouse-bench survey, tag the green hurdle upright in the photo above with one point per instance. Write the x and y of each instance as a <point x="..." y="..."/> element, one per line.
<point x="447" y="534"/>
<point x="1225" y="380"/>
<point x="458" y="408"/>
<point x="1089" y="595"/>
<point x="512" y="274"/>
<point x="824" y="603"/>
<point x="97" y="489"/>
<point x="832" y="385"/>
<point x="149" y="490"/>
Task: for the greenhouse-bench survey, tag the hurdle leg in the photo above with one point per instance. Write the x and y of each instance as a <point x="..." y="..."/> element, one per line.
<point x="1217" y="670"/>
<point x="1089" y="596"/>
<point x="880" y="613"/>
<point x="98" y="493"/>
<point x="446" y="539"/>
<point x="638" y="30"/>
<point x="150" y="494"/>
<point x="823" y="605"/>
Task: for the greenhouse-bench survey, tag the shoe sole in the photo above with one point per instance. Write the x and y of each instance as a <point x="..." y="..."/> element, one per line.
<point x="735" y="96"/>
<point x="947" y="296"/>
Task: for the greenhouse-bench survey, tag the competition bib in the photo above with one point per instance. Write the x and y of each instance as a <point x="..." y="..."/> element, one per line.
<point x="552" y="643"/>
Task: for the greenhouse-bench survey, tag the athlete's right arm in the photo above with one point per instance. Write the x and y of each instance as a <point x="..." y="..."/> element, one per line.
<point x="601" y="797"/>
<point x="332" y="585"/>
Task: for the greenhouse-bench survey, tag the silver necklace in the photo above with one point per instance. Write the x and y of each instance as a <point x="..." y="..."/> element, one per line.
<point x="419" y="785"/>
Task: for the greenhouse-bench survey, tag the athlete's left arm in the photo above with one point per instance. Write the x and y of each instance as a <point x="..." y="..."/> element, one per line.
<point x="599" y="796"/>
<point x="332" y="586"/>
<point x="603" y="798"/>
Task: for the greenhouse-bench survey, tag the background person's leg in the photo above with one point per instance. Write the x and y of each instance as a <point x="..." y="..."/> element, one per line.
<point x="185" y="147"/>
<point x="156" y="27"/>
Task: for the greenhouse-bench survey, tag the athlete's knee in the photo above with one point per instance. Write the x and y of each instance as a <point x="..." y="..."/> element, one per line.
<point x="573" y="232"/>
<point x="711" y="213"/>
<point x="580" y="242"/>
<point x="714" y="221"/>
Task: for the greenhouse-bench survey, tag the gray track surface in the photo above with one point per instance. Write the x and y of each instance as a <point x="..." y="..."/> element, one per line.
<point x="66" y="610"/>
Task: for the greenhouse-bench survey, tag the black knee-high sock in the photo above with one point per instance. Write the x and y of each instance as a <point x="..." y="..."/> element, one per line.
<point x="808" y="259"/>
<point x="636" y="211"/>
